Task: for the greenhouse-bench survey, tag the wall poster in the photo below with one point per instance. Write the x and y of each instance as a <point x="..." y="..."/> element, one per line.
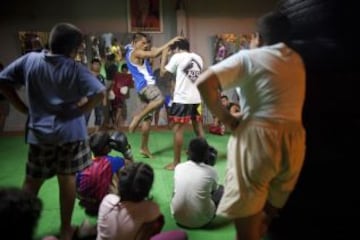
<point x="145" y="16"/>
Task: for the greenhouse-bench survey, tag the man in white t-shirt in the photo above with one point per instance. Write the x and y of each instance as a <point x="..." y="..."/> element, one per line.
<point x="196" y="191"/>
<point x="187" y="66"/>
<point x="267" y="146"/>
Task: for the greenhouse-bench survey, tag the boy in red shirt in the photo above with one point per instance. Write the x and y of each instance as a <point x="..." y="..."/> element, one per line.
<point x="122" y="83"/>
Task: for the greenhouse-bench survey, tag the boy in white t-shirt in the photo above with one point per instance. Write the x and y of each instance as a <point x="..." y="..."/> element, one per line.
<point x="266" y="148"/>
<point x="187" y="66"/>
<point x="196" y="191"/>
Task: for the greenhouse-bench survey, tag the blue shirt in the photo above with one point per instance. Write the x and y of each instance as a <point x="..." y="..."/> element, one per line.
<point x="53" y="85"/>
<point x="116" y="163"/>
<point x="142" y="75"/>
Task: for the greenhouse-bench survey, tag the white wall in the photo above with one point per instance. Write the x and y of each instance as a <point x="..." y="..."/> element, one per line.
<point x="205" y="19"/>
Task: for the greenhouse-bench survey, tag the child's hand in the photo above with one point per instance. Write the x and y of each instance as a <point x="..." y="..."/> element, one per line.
<point x="82" y="102"/>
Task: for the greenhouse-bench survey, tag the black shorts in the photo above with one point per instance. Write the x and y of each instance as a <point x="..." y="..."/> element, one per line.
<point x="184" y="113"/>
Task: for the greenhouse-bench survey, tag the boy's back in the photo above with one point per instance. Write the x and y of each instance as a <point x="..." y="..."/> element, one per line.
<point x="192" y="204"/>
<point x="53" y="84"/>
<point x="59" y="92"/>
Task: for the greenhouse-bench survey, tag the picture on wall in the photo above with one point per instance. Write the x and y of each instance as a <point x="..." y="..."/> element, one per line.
<point x="31" y="41"/>
<point x="145" y="16"/>
<point x="228" y="43"/>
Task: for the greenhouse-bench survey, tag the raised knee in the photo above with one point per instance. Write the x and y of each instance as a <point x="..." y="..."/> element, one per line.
<point x="160" y="101"/>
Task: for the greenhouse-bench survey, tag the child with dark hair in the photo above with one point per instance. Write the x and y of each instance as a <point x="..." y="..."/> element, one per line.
<point x="186" y="106"/>
<point x="122" y="83"/>
<point x="59" y="92"/>
<point x="111" y="68"/>
<point x="95" y="68"/>
<point x="182" y="44"/>
<point x="122" y="216"/>
<point x="102" y="176"/>
<point x="195" y="206"/>
<point x="20" y="212"/>
<point x="131" y="214"/>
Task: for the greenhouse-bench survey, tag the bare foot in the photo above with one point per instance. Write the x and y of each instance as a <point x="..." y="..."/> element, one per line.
<point x="134" y="124"/>
<point x="146" y="153"/>
<point x="170" y="166"/>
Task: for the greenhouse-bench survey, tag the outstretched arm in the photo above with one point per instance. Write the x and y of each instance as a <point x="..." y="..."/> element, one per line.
<point x="164" y="55"/>
<point x="155" y="51"/>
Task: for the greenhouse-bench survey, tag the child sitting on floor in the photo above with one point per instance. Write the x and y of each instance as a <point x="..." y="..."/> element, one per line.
<point x="131" y="214"/>
<point x="195" y="206"/>
<point x="102" y="176"/>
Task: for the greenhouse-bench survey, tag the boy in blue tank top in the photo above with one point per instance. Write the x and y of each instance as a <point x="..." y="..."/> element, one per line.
<point x="137" y="59"/>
